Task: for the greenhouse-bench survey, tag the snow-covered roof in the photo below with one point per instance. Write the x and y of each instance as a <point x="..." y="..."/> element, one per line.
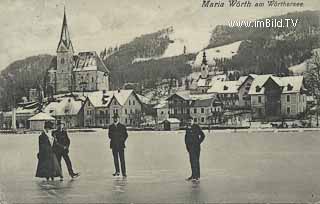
<point x="171" y="120"/>
<point x="89" y="61"/>
<point x="225" y="51"/>
<point x="162" y="104"/>
<point x="290" y="84"/>
<point x="41" y="116"/>
<point x="302" y="67"/>
<point x="224" y="87"/>
<point x="65" y="106"/>
<point x="144" y="99"/>
<point x="100" y="99"/>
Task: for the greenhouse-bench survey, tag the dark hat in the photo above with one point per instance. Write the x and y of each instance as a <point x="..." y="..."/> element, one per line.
<point x="115" y="115"/>
<point x="48" y="125"/>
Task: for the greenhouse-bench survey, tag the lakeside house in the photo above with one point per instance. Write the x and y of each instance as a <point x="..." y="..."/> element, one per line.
<point x="201" y="107"/>
<point x="273" y="98"/>
<point x="100" y="107"/>
<point x="68" y="109"/>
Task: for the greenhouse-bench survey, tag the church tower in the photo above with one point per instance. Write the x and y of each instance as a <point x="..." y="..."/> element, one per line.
<point x="65" y="62"/>
<point x="204" y="67"/>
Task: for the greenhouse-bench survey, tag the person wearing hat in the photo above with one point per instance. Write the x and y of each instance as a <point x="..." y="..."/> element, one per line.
<point x="48" y="165"/>
<point x="118" y="136"/>
<point x="194" y="136"/>
<point x="61" y="148"/>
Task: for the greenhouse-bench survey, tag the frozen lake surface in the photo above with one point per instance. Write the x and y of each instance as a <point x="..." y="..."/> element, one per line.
<point x="235" y="167"/>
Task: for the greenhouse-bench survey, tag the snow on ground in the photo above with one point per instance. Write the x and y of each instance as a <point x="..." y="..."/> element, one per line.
<point x="302" y="67"/>
<point x="194" y="40"/>
<point x="235" y="167"/>
<point x="225" y="51"/>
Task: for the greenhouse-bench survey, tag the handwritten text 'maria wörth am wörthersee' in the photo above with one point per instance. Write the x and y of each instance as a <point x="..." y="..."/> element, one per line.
<point x="250" y="3"/>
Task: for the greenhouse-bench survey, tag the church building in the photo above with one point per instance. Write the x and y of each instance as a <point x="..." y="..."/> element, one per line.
<point x="69" y="72"/>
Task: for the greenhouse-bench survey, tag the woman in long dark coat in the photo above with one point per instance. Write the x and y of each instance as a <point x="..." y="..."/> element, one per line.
<point x="48" y="165"/>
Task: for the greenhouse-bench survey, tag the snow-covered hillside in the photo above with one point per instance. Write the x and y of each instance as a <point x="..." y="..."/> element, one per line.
<point x="182" y="39"/>
<point x="225" y="51"/>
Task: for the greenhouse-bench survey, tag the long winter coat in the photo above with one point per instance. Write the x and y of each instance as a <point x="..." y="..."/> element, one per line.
<point x="48" y="165"/>
<point x="118" y="136"/>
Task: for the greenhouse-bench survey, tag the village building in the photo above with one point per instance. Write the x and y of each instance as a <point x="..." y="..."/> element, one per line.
<point x="201" y="107"/>
<point x="69" y="72"/>
<point x="170" y="124"/>
<point x="162" y="110"/>
<point x="274" y="98"/>
<point x="37" y="121"/>
<point x="101" y="106"/>
<point x="68" y="110"/>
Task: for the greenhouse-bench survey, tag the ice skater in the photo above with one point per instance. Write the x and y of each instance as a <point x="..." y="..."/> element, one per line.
<point x="48" y="165"/>
<point x="193" y="138"/>
<point x="61" y="148"/>
<point x="118" y="136"/>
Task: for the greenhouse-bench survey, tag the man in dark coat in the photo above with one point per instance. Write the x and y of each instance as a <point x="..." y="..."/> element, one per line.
<point x="118" y="136"/>
<point x="193" y="138"/>
<point x="61" y="148"/>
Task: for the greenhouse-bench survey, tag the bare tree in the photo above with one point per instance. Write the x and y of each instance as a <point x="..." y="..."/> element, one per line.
<point x="313" y="80"/>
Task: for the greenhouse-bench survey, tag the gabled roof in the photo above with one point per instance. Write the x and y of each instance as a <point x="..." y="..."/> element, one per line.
<point x="100" y="99"/>
<point x="41" y="116"/>
<point x="89" y="61"/>
<point x="182" y="94"/>
<point x="65" y="106"/>
<point x="289" y="84"/>
<point x="224" y="87"/>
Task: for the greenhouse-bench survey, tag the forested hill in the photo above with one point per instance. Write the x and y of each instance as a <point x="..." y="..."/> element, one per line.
<point x="20" y="76"/>
<point x="271" y="50"/>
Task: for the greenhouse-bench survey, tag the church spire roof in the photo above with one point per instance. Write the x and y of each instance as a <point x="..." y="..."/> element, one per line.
<point x="65" y="40"/>
<point x="204" y="59"/>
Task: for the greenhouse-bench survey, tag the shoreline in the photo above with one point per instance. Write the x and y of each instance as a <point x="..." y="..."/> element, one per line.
<point x="226" y="130"/>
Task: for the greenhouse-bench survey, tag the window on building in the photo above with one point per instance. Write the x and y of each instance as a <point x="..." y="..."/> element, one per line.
<point x="101" y="112"/>
<point x="175" y="111"/>
<point x="92" y="79"/>
<point x="195" y="120"/>
<point x="162" y="112"/>
<point x="188" y="111"/>
<point x="288" y="98"/>
<point x="202" y="120"/>
<point x="101" y="122"/>
<point x="62" y="61"/>
<point x="125" y="111"/>
<point x="126" y="121"/>
<point x="202" y="110"/>
<point x="88" y="112"/>
<point x="134" y="102"/>
<point x="288" y="110"/>
<point x="195" y="110"/>
<point x="259" y="99"/>
<point x="130" y="111"/>
<point x="129" y="103"/>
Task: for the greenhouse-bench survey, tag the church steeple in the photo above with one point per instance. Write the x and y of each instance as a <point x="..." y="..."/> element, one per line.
<point x="204" y="59"/>
<point x="65" y="43"/>
<point x="204" y="67"/>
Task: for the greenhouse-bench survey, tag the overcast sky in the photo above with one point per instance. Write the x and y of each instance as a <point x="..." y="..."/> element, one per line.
<point x="31" y="27"/>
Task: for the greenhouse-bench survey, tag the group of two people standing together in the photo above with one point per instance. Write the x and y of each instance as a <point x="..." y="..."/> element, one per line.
<point x="53" y="146"/>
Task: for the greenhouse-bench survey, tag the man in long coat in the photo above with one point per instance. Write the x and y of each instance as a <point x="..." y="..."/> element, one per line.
<point x="61" y="148"/>
<point x="118" y="136"/>
<point x="193" y="138"/>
